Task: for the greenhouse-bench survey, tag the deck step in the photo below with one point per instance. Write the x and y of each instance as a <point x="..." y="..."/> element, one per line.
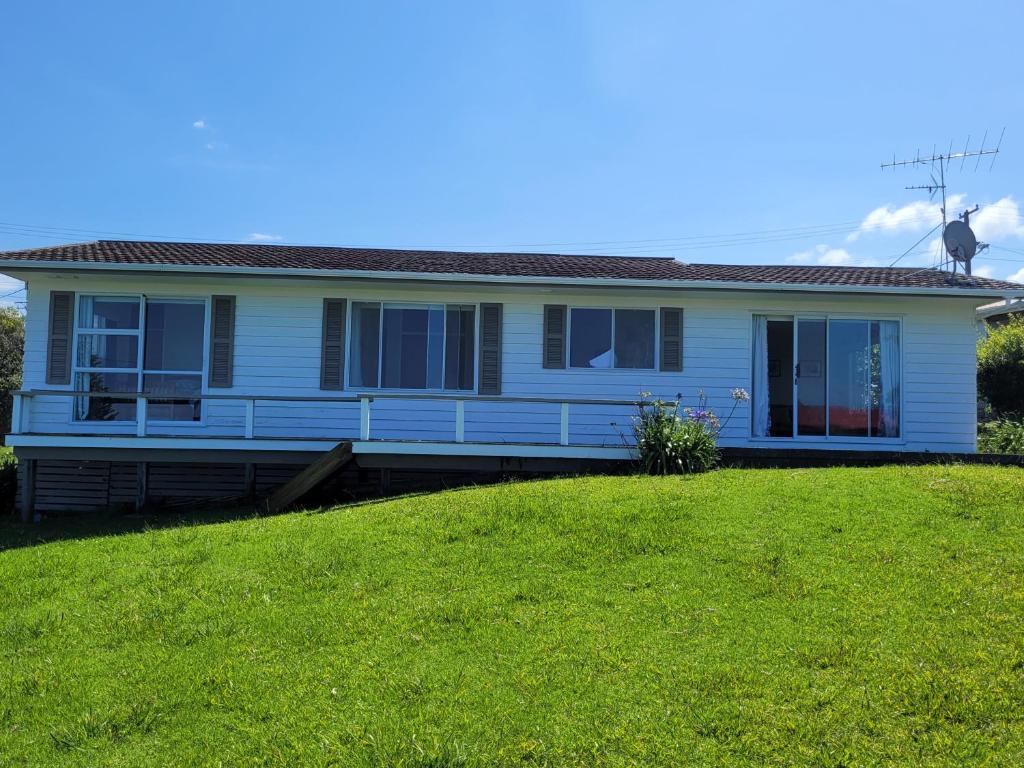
<point x="310" y="477"/>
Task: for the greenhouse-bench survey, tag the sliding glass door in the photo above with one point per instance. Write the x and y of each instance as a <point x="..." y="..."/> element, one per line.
<point x="842" y="374"/>
<point x="811" y="334"/>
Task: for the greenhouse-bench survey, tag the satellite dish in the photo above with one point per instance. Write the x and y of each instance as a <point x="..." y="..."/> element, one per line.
<point x="960" y="241"/>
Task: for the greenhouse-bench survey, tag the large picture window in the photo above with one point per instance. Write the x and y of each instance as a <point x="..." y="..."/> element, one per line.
<point x="131" y="344"/>
<point x="818" y="377"/>
<point x="412" y="346"/>
<point x="611" y="338"/>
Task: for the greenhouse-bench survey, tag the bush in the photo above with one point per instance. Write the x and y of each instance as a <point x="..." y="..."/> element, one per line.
<point x="1002" y="436"/>
<point x="8" y="481"/>
<point x="669" y="443"/>
<point x="1001" y="368"/>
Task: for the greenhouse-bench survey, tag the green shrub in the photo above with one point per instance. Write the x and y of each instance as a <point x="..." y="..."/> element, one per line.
<point x="668" y="444"/>
<point x="1002" y="436"/>
<point x="672" y="440"/>
<point x="1001" y="368"/>
<point x="8" y="481"/>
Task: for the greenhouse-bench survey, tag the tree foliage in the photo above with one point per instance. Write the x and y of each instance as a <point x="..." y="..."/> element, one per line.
<point x="1001" y="368"/>
<point x="12" y="343"/>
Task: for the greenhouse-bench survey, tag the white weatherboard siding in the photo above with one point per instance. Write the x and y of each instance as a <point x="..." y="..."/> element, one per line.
<point x="277" y="352"/>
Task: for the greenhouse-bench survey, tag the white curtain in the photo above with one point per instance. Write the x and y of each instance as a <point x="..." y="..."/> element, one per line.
<point x="762" y="419"/>
<point x="889" y="373"/>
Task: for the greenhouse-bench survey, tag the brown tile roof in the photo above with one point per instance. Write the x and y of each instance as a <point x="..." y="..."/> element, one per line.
<point x="245" y="257"/>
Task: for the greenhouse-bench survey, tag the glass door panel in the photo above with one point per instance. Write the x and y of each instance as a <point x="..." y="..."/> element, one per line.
<point x="849" y="377"/>
<point x="810" y="377"/>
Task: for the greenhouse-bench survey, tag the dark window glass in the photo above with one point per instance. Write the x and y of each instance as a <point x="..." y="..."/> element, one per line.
<point x="174" y="335"/>
<point x="364" y="347"/>
<point x="460" y="332"/>
<point x="185" y="404"/>
<point x="412" y="347"/>
<point x="590" y="338"/>
<point x="634" y="338"/>
<point x="110" y="312"/>
<point x="107" y="350"/>
<point x="105" y="408"/>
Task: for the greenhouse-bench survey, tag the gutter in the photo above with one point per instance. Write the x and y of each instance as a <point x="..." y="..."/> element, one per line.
<point x="458" y="277"/>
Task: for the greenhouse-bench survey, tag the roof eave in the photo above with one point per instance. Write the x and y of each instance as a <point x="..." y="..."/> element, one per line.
<point x="459" y="277"/>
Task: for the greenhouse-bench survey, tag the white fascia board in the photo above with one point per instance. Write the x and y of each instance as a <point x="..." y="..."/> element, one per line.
<point x="384" y="447"/>
<point x="453" y="277"/>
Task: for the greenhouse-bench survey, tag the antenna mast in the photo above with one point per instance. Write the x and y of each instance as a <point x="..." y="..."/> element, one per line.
<point x="940" y="161"/>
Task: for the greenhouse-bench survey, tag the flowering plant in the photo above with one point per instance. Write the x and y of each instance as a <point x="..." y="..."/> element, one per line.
<point x="672" y="439"/>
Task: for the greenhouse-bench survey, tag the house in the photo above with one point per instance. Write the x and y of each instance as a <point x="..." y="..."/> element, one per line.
<point x="157" y="370"/>
<point x="998" y="313"/>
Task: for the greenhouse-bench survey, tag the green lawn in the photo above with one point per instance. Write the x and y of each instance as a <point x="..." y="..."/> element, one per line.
<point x="783" y="617"/>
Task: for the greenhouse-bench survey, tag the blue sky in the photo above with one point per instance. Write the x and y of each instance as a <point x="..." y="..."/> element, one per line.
<point x="630" y="128"/>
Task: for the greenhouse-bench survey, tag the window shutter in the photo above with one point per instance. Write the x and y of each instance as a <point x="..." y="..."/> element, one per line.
<point x="671" y="339"/>
<point x="554" y="335"/>
<point x="332" y="345"/>
<point x="490" y="349"/>
<point x="58" y="345"/>
<point x="222" y="341"/>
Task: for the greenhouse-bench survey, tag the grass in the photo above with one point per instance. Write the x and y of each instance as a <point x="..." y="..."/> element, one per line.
<point x="809" y="617"/>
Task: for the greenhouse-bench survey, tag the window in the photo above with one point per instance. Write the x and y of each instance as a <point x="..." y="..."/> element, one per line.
<point x="412" y="346"/>
<point x="843" y="374"/>
<point x="130" y="344"/>
<point x="611" y="338"/>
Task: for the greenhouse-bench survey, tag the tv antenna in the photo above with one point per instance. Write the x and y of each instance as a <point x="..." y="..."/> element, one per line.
<point x="958" y="237"/>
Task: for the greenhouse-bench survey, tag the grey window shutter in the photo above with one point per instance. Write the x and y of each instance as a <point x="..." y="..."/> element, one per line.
<point x="489" y="377"/>
<point x="671" y="339"/>
<point x="58" y="344"/>
<point x="332" y="345"/>
<point x="222" y="341"/>
<point x="554" y="335"/>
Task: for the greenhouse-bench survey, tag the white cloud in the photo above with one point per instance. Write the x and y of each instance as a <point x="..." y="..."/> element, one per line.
<point x="824" y="255"/>
<point x="999" y="220"/>
<point x="1017" y="277"/>
<point x="211" y="145"/>
<point x="982" y="271"/>
<point x="200" y="124"/>
<point x="913" y="217"/>
<point x="262" y="237"/>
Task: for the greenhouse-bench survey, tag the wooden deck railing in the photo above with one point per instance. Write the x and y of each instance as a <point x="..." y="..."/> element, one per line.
<point x="21" y="413"/>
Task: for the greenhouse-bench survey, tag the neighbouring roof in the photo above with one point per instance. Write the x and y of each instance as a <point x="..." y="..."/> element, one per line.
<point x="1006" y="307"/>
<point x="250" y="258"/>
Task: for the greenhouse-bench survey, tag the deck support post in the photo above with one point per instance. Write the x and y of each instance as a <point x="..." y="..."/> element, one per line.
<point x="250" y="481"/>
<point x="141" y="485"/>
<point x="27" y="478"/>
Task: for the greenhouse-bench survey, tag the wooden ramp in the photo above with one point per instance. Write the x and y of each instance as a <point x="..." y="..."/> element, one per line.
<point x="310" y="477"/>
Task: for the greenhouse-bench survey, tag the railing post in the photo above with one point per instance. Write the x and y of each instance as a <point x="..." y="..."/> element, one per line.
<point x="16" y="415"/>
<point x="563" y="436"/>
<point x="364" y="418"/>
<point x="140" y="416"/>
<point x="460" y="421"/>
<point x="250" y="418"/>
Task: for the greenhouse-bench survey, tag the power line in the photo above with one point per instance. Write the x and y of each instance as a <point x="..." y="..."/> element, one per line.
<point x="651" y="245"/>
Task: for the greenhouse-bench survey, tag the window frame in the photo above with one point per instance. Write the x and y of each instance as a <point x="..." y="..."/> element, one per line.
<point x="350" y="337"/>
<point x="827" y="317"/>
<point x="140" y="370"/>
<point x="655" y="311"/>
